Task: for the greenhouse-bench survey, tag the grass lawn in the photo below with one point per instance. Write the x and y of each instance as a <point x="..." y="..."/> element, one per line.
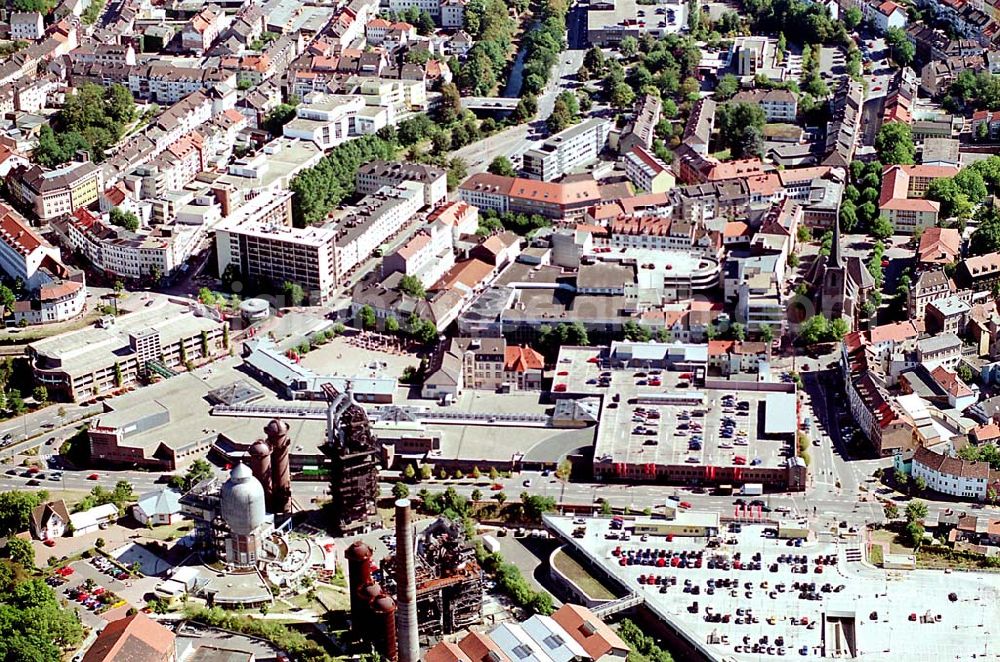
<point x="581" y="577"/>
<point x="171" y="532"/>
<point x="875" y="555"/>
<point x="722" y="155"/>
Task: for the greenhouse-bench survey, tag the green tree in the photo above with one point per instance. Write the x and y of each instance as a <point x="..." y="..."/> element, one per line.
<point x="838" y="329"/>
<point x="477" y="494"/>
<point x="502" y="166"/>
<point x="881" y="228"/>
<point x="15" y="510"/>
<point x="920" y="483"/>
<point x="916" y="511"/>
<point x="400" y="490"/>
<point x="815" y="329"/>
<point x="293" y="293"/>
<point x="852" y="18"/>
<point x="124" y="219"/>
<point x="740" y="127"/>
<point x="891" y="510"/>
<point x="425" y="472"/>
<point x="728" y="86"/>
<point x="198" y="471"/>
<point x="278" y="117"/>
<point x="409" y="473"/>
<point x="412" y="286"/>
<point x="20" y="551"/>
<point x="901" y="49"/>
<point x="954" y="202"/>
<point x="622" y="96"/>
<point x="628" y="47"/>
<point x="894" y="143"/>
<point x="500" y="497"/>
<point x="40" y="394"/>
<point x="366" y="316"/>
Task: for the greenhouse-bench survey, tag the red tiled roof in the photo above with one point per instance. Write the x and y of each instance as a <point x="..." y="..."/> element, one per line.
<point x="522" y="359"/>
<point x="136" y="638"/>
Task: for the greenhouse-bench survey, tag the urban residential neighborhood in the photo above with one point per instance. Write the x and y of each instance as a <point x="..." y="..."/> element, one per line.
<point x="499" y="331"/>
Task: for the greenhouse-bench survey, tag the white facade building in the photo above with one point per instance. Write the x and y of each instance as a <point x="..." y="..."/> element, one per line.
<point x="567" y="150"/>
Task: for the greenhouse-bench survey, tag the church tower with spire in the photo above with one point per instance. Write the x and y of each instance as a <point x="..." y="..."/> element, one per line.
<point x="833" y="290"/>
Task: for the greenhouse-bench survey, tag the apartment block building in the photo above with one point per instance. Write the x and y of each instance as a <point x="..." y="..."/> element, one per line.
<point x="778" y="105"/>
<point x="647" y="171"/>
<point x="378" y="174"/>
<point x="118" y="253"/>
<point x="567" y="150"/>
<point x="528" y="196"/>
<point x="901" y="199"/>
<point x="325" y="119"/>
<point x="51" y="194"/>
<point x="428" y="255"/>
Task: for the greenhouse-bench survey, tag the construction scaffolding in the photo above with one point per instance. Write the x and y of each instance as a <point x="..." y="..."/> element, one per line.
<point x="449" y="581"/>
<point x="354" y="455"/>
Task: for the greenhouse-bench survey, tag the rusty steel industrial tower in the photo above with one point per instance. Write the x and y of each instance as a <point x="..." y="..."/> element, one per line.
<point x="407" y="626"/>
<point x="354" y="457"/>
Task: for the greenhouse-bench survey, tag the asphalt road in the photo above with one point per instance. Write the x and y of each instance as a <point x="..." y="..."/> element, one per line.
<point x="519" y="139"/>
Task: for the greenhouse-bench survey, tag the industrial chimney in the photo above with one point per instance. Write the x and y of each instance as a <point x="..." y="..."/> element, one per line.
<point x="281" y="475"/>
<point x="407" y="627"/>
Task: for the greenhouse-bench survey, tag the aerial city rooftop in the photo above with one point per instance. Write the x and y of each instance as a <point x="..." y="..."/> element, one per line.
<point x="465" y="330"/>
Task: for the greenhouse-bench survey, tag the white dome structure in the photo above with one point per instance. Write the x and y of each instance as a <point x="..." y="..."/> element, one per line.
<point x="242" y="501"/>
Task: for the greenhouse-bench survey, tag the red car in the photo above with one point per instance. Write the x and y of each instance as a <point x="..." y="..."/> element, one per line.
<point x="559" y="388"/>
<point x="684" y="504"/>
<point x="496" y="487"/>
<point x="93" y="477"/>
<point x="50" y="543"/>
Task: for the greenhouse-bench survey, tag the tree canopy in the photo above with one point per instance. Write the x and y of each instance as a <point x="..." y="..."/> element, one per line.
<point x="894" y="143"/>
<point x="93" y="120"/>
<point x="33" y="625"/>
<point x="741" y="127"/>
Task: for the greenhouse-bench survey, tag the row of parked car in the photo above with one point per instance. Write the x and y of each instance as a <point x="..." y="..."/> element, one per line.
<point x="109" y="568"/>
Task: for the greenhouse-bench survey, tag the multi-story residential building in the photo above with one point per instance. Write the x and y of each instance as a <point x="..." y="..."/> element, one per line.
<point x="105" y="55"/>
<point x="325" y="119"/>
<point x="527" y="196"/>
<point x="778" y="105"/>
<point x="168" y="84"/>
<point x="482" y="364"/>
<point x="941" y="350"/>
<point x="930" y="286"/>
<point x="947" y="315"/>
<point x="203" y="29"/>
<point x="428" y="255"/>
<point x="57" y="301"/>
<point x="51" y="194"/>
<point x="148" y="254"/>
<point x="378" y="174"/>
<point x="567" y="150"/>
<point x="647" y="171"/>
<point x="271" y="254"/>
<point x="26" y="26"/>
<point x="978" y="274"/>
<point x="24" y="253"/>
<point x="453" y="14"/>
<point x="319" y="258"/>
<point x="641" y="130"/>
<point x="951" y="475"/>
<point x="460" y="217"/>
<point x="116" y="352"/>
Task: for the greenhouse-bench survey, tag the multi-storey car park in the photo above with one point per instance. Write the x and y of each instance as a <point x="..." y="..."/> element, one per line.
<point x="664" y="419"/>
<point x="778" y="590"/>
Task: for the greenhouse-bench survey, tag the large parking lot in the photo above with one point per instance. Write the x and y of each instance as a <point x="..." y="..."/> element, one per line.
<point x="750" y="595"/>
<point x="660" y="417"/>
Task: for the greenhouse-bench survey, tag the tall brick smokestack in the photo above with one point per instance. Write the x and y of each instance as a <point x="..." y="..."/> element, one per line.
<point x="406" y="586"/>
